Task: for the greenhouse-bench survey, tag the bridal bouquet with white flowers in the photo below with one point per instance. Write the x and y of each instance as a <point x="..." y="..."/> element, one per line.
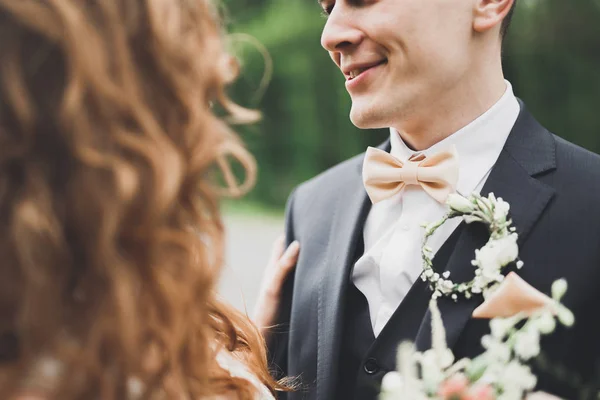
<point x="500" y="373"/>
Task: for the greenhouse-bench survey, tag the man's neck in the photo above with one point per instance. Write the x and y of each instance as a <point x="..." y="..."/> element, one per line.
<point x="448" y="114"/>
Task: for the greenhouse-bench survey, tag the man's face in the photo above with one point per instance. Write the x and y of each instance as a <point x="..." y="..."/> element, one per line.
<point x="398" y="56"/>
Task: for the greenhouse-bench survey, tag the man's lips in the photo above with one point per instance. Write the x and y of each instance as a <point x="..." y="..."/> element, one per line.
<point x="353" y="71"/>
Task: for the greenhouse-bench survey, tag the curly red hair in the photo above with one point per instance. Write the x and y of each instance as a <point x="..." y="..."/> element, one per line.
<point x="111" y="238"/>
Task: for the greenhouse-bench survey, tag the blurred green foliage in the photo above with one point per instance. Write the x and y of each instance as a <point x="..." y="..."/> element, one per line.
<point x="552" y="58"/>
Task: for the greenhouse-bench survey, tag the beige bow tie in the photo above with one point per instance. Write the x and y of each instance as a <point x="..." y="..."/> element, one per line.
<point x="384" y="175"/>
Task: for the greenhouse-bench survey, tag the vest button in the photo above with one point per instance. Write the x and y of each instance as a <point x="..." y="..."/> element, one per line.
<point x="371" y="366"/>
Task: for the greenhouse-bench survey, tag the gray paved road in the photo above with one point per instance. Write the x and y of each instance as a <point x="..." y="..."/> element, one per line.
<point x="249" y="240"/>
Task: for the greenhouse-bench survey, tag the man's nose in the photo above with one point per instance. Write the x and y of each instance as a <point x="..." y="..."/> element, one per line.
<point x="340" y="31"/>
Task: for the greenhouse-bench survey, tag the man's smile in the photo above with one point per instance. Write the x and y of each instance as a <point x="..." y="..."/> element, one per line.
<point x="353" y="71"/>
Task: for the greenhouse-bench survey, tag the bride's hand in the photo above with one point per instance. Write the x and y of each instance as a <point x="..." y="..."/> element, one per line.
<point x="279" y="267"/>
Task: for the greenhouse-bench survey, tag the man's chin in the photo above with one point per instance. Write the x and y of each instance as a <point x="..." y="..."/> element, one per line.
<point x="366" y="118"/>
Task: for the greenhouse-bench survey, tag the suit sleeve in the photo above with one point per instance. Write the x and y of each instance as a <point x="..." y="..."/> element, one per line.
<point x="277" y="344"/>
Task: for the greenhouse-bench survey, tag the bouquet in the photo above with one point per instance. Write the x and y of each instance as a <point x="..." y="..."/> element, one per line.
<point x="500" y="373"/>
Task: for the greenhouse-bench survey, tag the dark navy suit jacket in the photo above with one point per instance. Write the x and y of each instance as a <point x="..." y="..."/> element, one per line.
<point x="553" y="187"/>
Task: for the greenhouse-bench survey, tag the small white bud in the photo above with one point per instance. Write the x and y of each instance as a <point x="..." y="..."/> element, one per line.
<point x="546" y="323"/>
<point x="559" y="288"/>
<point x="392" y="382"/>
<point x="459" y="203"/>
<point x="566" y="317"/>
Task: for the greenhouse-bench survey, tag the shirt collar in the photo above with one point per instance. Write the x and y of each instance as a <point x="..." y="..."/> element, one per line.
<point x="478" y="144"/>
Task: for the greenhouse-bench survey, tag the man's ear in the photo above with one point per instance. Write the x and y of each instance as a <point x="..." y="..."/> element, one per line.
<point x="488" y="14"/>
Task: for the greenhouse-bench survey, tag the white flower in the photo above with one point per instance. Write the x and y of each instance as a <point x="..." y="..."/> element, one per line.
<point x="507" y="249"/>
<point x="431" y="369"/>
<point x="406" y="364"/>
<point x="559" y="288"/>
<point x="517" y="376"/>
<point x="471" y="218"/>
<point x="565" y="316"/>
<point x="546" y="323"/>
<point x="444" y="356"/>
<point x="485" y="203"/>
<point x="448" y="285"/>
<point x="500" y="327"/>
<point x="501" y="209"/>
<point x="392" y="382"/>
<point x="486" y="258"/>
<point x="527" y="344"/>
<point x="497" y="253"/>
<point x="459" y="203"/>
<point x="511" y="393"/>
<point x="482" y="282"/>
<point x="495" y="349"/>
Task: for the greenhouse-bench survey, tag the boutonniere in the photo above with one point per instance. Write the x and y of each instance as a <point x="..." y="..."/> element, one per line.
<point x="490" y="261"/>
<point x="520" y="316"/>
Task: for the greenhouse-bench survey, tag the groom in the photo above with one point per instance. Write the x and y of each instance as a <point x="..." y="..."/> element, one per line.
<point x="431" y="70"/>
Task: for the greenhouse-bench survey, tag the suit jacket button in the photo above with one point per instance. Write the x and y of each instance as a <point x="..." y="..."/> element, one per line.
<point x="371" y="366"/>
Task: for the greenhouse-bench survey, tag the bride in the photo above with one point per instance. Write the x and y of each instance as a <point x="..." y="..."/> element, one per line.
<point x="111" y="238"/>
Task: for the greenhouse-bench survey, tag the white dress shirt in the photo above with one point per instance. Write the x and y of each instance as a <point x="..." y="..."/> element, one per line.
<point x="393" y="234"/>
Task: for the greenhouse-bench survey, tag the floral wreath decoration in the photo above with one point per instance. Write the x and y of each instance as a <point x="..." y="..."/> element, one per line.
<point x="490" y="261"/>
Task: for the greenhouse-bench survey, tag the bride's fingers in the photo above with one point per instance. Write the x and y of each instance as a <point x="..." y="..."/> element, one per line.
<point x="287" y="261"/>
<point x="277" y="250"/>
<point x="279" y="270"/>
<point x="269" y="297"/>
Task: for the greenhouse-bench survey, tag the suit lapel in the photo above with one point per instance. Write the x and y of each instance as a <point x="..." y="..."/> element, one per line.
<point x="529" y="151"/>
<point x="349" y="215"/>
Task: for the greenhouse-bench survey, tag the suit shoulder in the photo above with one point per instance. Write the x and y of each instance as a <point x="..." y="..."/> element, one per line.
<point x="576" y="159"/>
<point x="331" y="177"/>
<point x="577" y="176"/>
